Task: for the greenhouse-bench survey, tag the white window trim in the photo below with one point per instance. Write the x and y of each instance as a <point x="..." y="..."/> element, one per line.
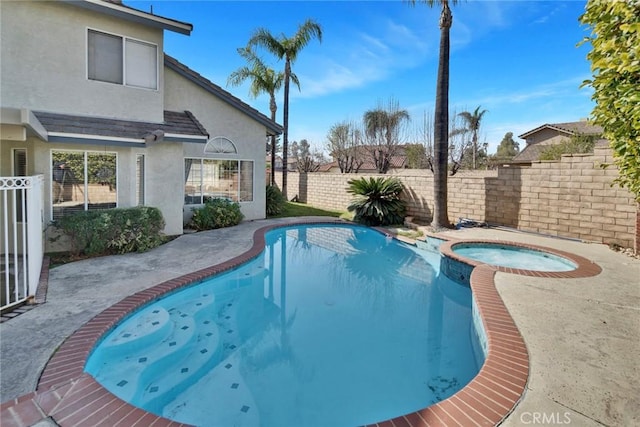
<point x="124" y="59"/>
<point x="85" y="182"/>
<point x="201" y="159"/>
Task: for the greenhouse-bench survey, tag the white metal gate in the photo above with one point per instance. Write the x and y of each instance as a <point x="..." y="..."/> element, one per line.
<point x="22" y="233"/>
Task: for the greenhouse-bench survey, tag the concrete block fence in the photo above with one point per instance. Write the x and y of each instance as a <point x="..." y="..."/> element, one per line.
<point x="573" y="197"/>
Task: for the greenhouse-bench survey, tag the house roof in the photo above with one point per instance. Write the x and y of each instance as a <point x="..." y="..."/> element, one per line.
<point x="529" y="154"/>
<point x="568" y="128"/>
<point x="177" y="126"/>
<point x="116" y="9"/>
<point x="273" y="128"/>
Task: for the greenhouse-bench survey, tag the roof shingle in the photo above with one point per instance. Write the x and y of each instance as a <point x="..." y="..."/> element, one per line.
<point x="179" y="123"/>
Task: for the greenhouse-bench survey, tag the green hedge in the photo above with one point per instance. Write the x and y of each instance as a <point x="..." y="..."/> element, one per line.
<point x="113" y="231"/>
<point x="216" y="213"/>
<point x="275" y="201"/>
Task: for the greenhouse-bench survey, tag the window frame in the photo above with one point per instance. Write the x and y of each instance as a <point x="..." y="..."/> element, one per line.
<point x="239" y="173"/>
<point x="124" y="59"/>
<point x="85" y="182"/>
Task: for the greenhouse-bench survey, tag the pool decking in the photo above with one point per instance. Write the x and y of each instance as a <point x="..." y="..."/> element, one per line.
<point x="71" y="397"/>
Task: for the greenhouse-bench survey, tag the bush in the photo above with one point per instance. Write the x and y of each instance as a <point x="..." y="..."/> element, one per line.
<point x="113" y="231"/>
<point x="377" y="201"/>
<point x="216" y="213"/>
<point x="275" y="201"/>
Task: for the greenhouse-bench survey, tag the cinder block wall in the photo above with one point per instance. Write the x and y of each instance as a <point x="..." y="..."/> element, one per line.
<point x="573" y="197"/>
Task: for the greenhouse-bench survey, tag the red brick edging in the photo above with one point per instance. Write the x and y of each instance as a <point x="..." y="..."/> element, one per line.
<point x="73" y="398"/>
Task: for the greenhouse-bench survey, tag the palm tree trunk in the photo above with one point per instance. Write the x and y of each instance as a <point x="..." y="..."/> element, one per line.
<point x="273" y="109"/>
<point x="475" y="148"/>
<point x="441" y="130"/>
<point x="285" y="124"/>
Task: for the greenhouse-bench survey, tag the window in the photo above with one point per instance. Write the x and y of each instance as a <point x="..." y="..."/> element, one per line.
<point x="82" y="180"/>
<point x="140" y="180"/>
<point x="227" y="179"/>
<point x="19" y="169"/>
<point x="121" y="60"/>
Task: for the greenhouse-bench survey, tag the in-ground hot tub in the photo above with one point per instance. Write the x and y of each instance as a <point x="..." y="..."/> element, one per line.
<point x="512" y="256"/>
<point x="460" y="257"/>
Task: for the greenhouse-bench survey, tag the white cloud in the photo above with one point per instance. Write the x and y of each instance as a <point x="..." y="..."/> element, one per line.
<point x="364" y="57"/>
<point x="543" y="91"/>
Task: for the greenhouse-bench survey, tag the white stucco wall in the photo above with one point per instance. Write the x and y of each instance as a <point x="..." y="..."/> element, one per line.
<point x="220" y="119"/>
<point x="44" y="62"/>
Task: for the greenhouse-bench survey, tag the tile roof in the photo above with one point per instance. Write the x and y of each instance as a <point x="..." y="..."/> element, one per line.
<point x="217" y="91"/>
<point x="179" y="123"/>
<point x="570" y="128"/>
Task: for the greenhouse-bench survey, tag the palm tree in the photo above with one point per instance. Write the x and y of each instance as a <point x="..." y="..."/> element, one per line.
<point x="441" y="121"/>
<point x="263" y="80"/>
<point x="473" y="124"/>
<point x="382" y="127"/>
<point x="287" y="49"/>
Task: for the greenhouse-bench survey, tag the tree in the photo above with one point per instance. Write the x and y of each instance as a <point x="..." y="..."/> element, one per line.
<point x="579" y="143"/>
<point x="458" y="142"/>
<point x="306" y="161"/>
<point x="473" y="125"/>
<point x="263" y="80"/>
<point x="287" y="49"/>
<point x="384" y="130"/>
<point x="416" y="156"/>
<point x="441" y="121"/>
<point x="345" y="142"/>
<point x="615" y="64"/>
<point x="508" y="148"/>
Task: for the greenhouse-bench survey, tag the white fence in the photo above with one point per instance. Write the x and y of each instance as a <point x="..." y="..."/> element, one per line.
<point x="21" y="230"/>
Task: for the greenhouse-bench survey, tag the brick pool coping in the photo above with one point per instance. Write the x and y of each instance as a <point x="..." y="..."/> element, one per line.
<point x="73" y="398"/>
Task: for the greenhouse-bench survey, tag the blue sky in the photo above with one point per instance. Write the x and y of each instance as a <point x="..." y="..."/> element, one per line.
<point x="516" y="59"/>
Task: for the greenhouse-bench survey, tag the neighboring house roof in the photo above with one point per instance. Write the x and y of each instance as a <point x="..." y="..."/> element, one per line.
<point x="529" y="154"/>
<point x="328" y="166"/>
<point x="116" y="9"/>
<point x="177" y="126"/>
<point x="568" y="128"/>
<point x="214" y="89"/>
<point x="534" y="149"/>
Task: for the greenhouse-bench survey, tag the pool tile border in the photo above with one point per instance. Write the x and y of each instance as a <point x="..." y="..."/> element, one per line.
<point x="73" y="398"/>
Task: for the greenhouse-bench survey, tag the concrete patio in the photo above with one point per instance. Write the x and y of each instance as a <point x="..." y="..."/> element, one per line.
<point x="583" y="335"/>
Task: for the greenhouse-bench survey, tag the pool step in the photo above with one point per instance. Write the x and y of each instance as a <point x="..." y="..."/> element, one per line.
<point x="123" y="373"/>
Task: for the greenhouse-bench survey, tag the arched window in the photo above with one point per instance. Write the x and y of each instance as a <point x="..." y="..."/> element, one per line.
<point x="220" y="145"/>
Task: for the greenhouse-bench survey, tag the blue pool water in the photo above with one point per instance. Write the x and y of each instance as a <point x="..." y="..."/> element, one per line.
<point x="332" y="325"/>
<point x="513" y="257"/>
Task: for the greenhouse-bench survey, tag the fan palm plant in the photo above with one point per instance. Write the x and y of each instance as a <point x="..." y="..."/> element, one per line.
<point x="287" y="49"/>
<point x="263" y="80"/>
<point x="377" y="201"/>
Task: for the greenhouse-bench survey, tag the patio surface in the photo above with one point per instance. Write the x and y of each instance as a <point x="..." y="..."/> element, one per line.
<point x="582" y="334"/>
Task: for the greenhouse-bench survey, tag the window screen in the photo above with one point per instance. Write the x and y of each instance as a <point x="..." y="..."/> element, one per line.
<point x="105" y="57"/>
<point x="141" y="64"/>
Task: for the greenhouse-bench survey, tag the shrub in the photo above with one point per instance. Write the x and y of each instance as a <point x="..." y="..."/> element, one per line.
<point x="216" y="213"/>
<point x="377" y="201"/>
<point x="275" y="200"/>
<point x="113" y="231"/>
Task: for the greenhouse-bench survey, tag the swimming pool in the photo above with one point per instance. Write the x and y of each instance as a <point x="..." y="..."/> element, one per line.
<point x="329" y="325"/>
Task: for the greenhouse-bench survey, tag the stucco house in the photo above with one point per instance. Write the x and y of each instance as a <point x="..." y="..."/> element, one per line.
<point x="89" y="100"/>
<point x="549" y="134"/>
